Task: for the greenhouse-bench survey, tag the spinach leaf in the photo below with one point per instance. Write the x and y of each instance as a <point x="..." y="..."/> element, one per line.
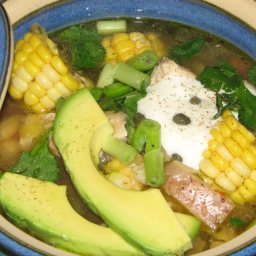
<point x="187" y="50"/>
<point x="39" y="163"/>
<point x="252" y="74"/>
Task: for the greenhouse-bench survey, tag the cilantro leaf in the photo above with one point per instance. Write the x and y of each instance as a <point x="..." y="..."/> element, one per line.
<point x="252" y="74"/>
<point x="187" y="50"/>
<point x="236" y="222"/>
<point x="39" y="163"/>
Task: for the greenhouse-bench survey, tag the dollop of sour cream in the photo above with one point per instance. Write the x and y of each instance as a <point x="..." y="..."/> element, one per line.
<point x="176" y="91"/>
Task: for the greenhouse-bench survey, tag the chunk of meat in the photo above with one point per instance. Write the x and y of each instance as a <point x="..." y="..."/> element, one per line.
<point x="211" y="206"/>
<point x="167" y="67"/>
<point x="118" y="121"/>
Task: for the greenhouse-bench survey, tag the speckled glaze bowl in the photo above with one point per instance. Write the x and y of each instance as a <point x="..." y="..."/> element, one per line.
<point x="57" y="14"/>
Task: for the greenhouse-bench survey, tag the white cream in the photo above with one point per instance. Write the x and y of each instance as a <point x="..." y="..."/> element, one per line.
<point x="171" y="95"/>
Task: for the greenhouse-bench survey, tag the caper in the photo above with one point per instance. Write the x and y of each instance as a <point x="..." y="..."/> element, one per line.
<point x="176" y="157"/>
<point x="181" y="119"/>
<point x="195" y="100"/>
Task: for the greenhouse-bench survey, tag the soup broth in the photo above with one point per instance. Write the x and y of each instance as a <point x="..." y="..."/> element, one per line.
<point x="20" y="128"/>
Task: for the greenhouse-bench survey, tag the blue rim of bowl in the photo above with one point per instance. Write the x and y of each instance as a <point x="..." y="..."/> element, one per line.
<point x="5" y="50"/>
<point x="205" y="17"/>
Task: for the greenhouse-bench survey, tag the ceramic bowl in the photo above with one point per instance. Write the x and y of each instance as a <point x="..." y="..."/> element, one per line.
<point x="56" y="15"/>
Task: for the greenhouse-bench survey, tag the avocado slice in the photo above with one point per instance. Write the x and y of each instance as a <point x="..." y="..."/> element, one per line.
<point x="190" y="223"/>
<point x="141" y="217"/>
<point x="43" y="208"/>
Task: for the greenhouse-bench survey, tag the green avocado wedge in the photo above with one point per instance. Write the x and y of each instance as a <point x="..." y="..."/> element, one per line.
<point x="144" y="217"/>
<point x="43" y="208"/>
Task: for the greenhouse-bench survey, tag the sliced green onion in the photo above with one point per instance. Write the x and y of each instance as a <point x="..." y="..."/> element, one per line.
<point x="111" y="26"/>
<point x="106" y="76"/>
<point x="116" y="90"/>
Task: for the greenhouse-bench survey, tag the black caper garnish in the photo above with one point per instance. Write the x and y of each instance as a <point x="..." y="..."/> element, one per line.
<point x="181" y="119"/>
<point x="176" y="157"/>
<point x="195" y="100"/>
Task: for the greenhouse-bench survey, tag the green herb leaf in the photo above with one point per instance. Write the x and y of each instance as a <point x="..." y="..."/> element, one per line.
<point x="236" y="222"/>
<point x="252" y="75"/>
<point x="85" y="46"/>
<point x="187" y="50"/>
<point x="39" y="163"/>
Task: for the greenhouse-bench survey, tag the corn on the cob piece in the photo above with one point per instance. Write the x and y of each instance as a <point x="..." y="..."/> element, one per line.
<point x="39" y="76"/>
<point x="230" y="159"/>
<point x="122" y="46"/>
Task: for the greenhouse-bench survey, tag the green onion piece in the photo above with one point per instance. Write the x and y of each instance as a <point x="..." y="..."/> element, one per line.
<point x="144" y="61"/>
<point x="116" y="90"/>
<point x="154" y="168"/>
<point x="111" y="26"/>
<point x="119" y="149"/>
<point x="130" y="76"/>
<point x="106" y="76"/>
<point x="96" y="93"/>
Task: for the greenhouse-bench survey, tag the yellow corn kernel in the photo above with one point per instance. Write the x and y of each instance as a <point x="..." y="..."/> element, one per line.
<point x="27" y="48"/>
<point x="110" y="54"/>
<point x="253" y="175"/>
<point x="249" y="136"/>
<point x="124" y="46"/>
<point x="207" y="153"/>
<point x="208" y="168"/>
<point x="239" y="139"/>
<point x="37" y="90"/>
<point x="43" y="81"/>
<point x="39" y="108"/>
<point x="217" y="135"/>
<point x="245" y="193"/>
<point x="151" y="36"/>
<point x="234" y="149"/>
<point x="124" y="56"/>
<point x="212" y="144"/>
<point x="20" y="56"/>
<point x="119" y="37"/>
<point x="20" y="85"/>
<point x="35" y="41"/>
<point x="223" y="152"/>
<point x="142" y="49"/>
<point x="50" y="73"/>
<point x="53" y="94"/>
<point x="30" y="99"/>
<point x="27" y="36"/>
<point x="227" y="113"/>
<point x="136" y="36"/>
<point x="15" y="66"/>
<point x="249" y="158"/>
<point x="47" y="102"/>
<point x="23" y="74"/>
<point x="31" y="68"/>
<point x="224" y="129"/>
<point x="237" y="198"/>
<point x="233" y="176"/>
<point x="59" y="65"/>
<point x="250" y="185"/>
<point x="65" y="92"/>
<point x="44" y="53"/>
<point x="106" y="42"/>
<point x="252" y="149"/>
<point x="218" y="161"/>
<point x="15" y="94"/>
<point x="142" y="43"/>
<point x="231" y="121"/>
<point x="19" y="44"/>
<point x="36" y="60"/>
<point x="240" y="167"/>
<point x="69" y="82"/>
<point x="224" y="182"/>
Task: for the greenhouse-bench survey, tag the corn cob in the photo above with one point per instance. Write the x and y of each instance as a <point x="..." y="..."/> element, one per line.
<point x="39" y="76"/>
<point x="122" y="46"/>
<point x="230" y="160"/>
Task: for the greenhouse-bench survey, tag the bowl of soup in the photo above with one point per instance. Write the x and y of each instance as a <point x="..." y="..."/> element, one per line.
<point x="128" y="129"/>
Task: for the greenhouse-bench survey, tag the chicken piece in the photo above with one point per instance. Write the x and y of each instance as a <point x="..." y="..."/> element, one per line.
<point x="167" y="67"/>
<point x="118" y="121"/>
<point x="209" y="205"/>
